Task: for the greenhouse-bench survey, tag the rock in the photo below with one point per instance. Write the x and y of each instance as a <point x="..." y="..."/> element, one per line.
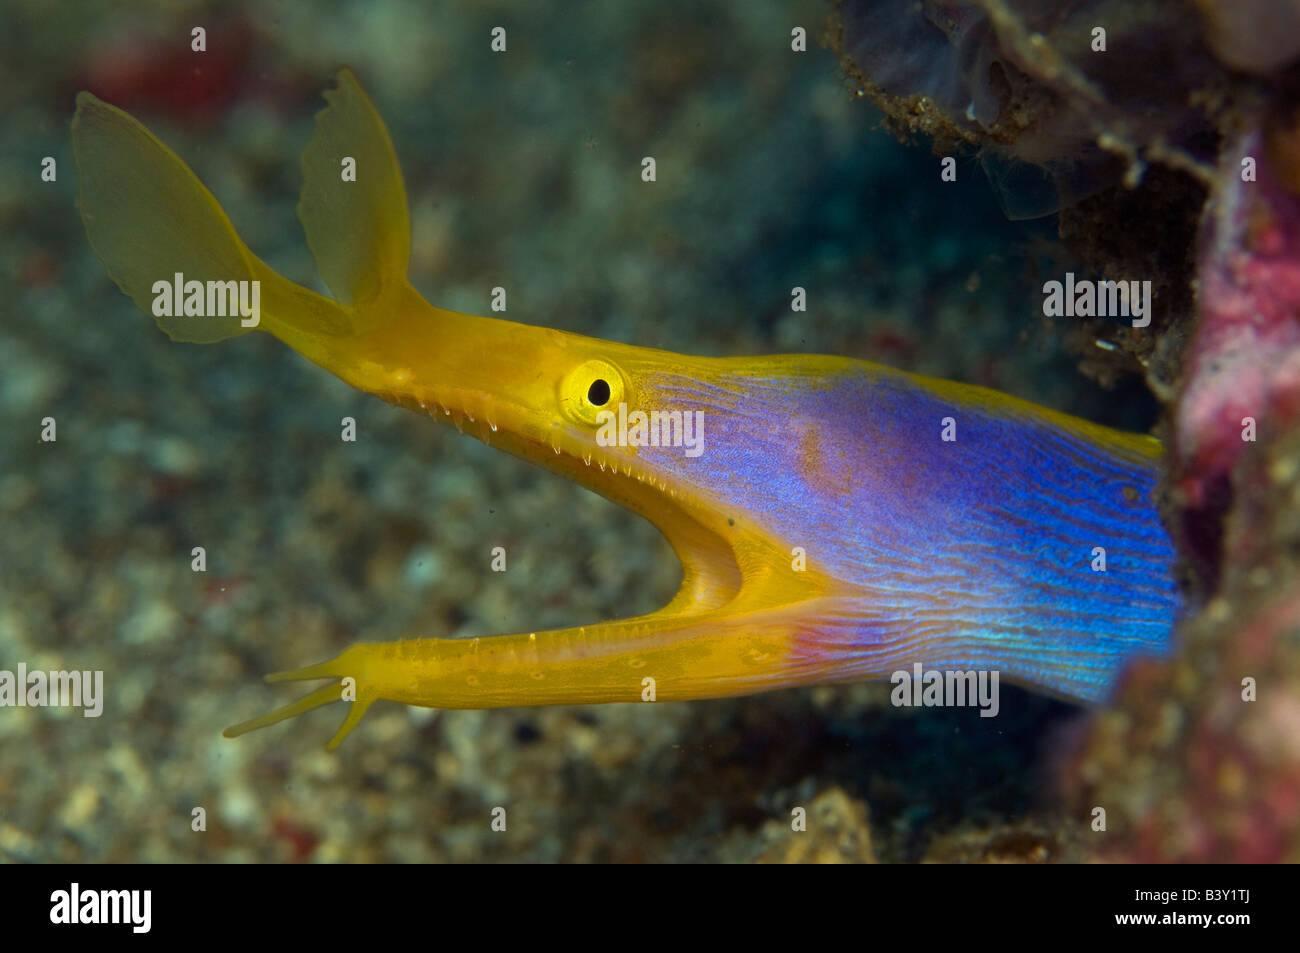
<point x="837" y="833"/>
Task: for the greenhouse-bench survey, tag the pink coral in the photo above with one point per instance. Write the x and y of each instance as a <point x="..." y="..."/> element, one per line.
<point x="1245" y="359"/>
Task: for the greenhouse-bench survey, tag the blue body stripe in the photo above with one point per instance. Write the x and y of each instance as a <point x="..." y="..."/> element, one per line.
<point x="975" y="553"/>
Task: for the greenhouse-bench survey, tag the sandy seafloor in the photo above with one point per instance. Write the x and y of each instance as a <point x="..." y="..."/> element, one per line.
<point x="522" y="171"/>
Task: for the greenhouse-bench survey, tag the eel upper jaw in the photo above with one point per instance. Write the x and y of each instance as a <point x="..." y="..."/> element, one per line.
<point x="712" y="574"/>
<point x="704" y="539"/>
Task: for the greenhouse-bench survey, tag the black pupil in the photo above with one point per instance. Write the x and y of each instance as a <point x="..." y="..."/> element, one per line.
<point x="598" y="392"/>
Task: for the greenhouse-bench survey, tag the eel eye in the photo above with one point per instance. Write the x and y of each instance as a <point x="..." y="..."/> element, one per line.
<point x="591" y="387"/>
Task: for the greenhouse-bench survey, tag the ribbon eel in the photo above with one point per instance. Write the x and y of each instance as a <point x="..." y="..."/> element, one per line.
<point x="842" y="520"/>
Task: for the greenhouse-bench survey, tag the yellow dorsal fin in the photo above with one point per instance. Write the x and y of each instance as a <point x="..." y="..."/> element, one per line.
<point x="359" y="231"/>
<point x="148" y="217"/>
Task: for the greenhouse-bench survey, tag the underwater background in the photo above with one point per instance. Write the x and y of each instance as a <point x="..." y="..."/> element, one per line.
<point x="775" y="170"/>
